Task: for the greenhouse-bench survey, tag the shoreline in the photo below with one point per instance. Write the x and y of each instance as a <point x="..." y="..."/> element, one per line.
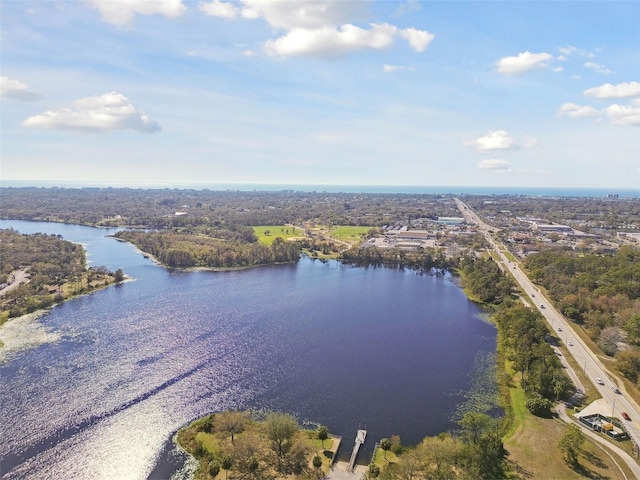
<point x="155" y="260"/>
<point x="36" y="314"/>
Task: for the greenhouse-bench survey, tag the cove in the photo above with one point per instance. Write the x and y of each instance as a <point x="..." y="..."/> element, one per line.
<point x="391" y="349"/>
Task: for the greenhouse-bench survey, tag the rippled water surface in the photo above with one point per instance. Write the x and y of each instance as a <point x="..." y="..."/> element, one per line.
<point x="120" y="370"/>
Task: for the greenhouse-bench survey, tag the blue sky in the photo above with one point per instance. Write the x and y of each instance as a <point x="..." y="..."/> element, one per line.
<point x="177" y="92"/>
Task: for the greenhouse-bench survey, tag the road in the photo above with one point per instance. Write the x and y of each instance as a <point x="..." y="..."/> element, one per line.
<point x="582" y="354"/>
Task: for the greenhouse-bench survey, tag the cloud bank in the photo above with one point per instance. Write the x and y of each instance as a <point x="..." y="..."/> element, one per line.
<point x="104" y="113"/>
<point x="318" y="28"/>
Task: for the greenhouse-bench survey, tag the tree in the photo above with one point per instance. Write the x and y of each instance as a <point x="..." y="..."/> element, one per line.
<point x="317" y="462"/>
<point x="280" y="429"/>
<point x="119" y="275"/>
<point x="539" y="406"/>
<point x="231" y="422"/>
<point x="252" y="464"/>
<point x="628" y="362"/>
<point x="571" y="444"/>
<point x="323" y="434"/>
<point x="214" y="469"/>
<point x="385" y="444"/>
<point x="396" y="444"/>
<point x="226" y="465"/>
<point x="441" y="452"/>
<point x="374" y="470"/>
<point x="474" y="425"/>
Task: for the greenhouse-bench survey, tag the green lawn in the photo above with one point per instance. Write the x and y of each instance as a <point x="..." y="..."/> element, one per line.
<point x="348" y="233"/>
<point x="268" y="233"/>
<point x="344" y="233"/>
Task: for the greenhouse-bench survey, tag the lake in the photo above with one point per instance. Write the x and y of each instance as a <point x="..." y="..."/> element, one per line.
<point x="109" y="377"/>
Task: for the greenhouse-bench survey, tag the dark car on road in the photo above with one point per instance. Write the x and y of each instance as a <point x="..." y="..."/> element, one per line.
<point x="625" y="415"/>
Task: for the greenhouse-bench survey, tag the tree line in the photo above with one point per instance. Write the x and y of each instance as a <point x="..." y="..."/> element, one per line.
<point x="522" y="335"/>
<point x="185" y="250"/>
<point x="423" y="259"/>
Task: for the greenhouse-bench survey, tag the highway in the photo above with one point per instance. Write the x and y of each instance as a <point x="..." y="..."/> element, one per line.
<point x="582" y="354"/>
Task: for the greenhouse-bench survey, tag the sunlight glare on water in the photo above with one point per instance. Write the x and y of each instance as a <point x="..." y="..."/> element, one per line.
<point x="124" y="368"/>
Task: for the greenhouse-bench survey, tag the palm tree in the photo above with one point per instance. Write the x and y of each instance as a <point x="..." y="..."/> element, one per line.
<point x="323" y="434"/>
<point x="385" y="444"/>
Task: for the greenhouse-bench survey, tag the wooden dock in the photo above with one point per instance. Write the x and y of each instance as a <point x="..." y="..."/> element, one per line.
<point x="360" y="438"/>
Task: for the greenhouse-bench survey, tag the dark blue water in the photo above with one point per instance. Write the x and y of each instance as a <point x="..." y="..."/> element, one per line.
<point x="125" y="367"/>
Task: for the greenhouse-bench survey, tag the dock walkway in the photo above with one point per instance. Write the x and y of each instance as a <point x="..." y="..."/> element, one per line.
<point x="360" y="438"/>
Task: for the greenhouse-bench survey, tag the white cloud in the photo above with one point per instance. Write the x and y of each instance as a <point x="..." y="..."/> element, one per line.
<point x="418" y="39"/>
<point x="121" y="12"/>
<point x="330" y="41"/>
<point x="571" y="50"/>
<point x="308" y="14"/>
<point x="621" y="90"/>
<point x="322" y="28"/>
<point x="597" y="68"/>
<point x="497" y="140"/>
<point x="568" y="50"/>
<point x="576" y="111"/>
<point x="110" y="111"/>
<point x="624" y="115"/>
<point x="494" y="164"/>
<point x="16" y="90"/>
<point x="524" y="62"/>
<point x="394" y="68"/>
<point x="216" y="8"/>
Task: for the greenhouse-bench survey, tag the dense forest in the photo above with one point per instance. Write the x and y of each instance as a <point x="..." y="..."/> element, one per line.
<point x="53" y="270"/>
<point x="174" y="208"/>
<point x="600" y="293"/>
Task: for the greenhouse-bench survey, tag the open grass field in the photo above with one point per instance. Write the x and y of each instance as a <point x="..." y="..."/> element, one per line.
<point x="533" y="449"/>
<point x="268" y="233"/>
<point x="532" y="443"/>
<point x="348" y="233"/>
<point x="345" y="233"/>
<point x="533" y="453"/>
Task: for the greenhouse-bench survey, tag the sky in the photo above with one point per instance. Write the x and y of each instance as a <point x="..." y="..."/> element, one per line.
<point x="180" y="92"/>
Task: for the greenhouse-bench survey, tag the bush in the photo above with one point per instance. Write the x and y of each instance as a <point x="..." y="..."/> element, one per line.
<point x="539" y="406"/>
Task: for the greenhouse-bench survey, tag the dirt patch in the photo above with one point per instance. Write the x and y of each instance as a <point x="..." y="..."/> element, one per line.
<point x="14" y="280"/>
